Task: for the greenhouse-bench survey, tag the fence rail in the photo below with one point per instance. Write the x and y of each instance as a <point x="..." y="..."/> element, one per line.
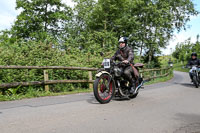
<point x="148" y="74"/>
<point x="48" y="67"/>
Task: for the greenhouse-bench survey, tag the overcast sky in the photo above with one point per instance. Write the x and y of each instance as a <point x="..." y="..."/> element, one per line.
<point x="8" y="15"/>
<point x="191" y="32"/>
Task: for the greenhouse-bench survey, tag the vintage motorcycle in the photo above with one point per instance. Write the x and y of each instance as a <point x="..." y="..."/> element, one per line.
<point x="196" y="75"/>
<point x="110" y="82"/>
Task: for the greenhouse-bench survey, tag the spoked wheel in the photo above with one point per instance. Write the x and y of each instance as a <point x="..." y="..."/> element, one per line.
<point x="195" y="81"/>
<point x="103" y="88"/>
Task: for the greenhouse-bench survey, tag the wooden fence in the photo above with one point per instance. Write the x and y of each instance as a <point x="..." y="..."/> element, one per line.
<point x="148" y="74"/>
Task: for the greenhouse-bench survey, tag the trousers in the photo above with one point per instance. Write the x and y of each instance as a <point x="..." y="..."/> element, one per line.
<point x="129" y="74"/>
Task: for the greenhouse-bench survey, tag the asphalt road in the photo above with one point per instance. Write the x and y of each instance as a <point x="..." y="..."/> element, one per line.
<point x="171" y="107"/>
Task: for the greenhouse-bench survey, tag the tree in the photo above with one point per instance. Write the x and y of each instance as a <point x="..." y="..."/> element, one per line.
<point x="40" y="18"/>
<point x="79" y="34"/>
<point x="160" y="19"/>
<point x="149" y="24"/>
<point x="183" y="50"/>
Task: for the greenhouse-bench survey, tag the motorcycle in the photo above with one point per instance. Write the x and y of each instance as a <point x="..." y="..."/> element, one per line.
<point x="196" y="75"/>
<point x="110" y="82"/>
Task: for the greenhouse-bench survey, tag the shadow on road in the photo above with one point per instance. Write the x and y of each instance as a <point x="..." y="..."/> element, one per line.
<point x="92" y="101"/>
<point x="192" y="123"/>
<point x="189" y="85"/>
<point x="121" y="99"/>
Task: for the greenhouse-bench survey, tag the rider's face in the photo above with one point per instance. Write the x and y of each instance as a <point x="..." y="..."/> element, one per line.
<point x="121" y="45"/>
<point x="194" y="57"/>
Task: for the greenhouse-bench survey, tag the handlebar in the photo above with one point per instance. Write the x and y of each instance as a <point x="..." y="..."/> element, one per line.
<point x="190" y="66"/>
<point x="119" y="63"/>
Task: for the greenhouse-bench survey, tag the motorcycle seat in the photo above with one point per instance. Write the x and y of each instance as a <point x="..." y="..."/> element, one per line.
<point x="138" y="65"/>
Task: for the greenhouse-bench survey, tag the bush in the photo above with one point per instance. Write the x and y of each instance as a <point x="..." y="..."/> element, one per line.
<point x="32" y="53"/>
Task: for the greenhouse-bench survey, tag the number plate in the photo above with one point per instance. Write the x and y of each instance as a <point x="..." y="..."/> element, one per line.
<point x="106" y="63"/>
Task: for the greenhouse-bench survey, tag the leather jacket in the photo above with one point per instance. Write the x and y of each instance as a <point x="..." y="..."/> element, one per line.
<point x="125" y="54"/>
<point x="194" y="62"/>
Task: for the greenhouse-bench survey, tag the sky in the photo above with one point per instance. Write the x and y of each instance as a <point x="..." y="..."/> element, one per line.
<point x="191" y="32"/>
<point x="8" y="15"/>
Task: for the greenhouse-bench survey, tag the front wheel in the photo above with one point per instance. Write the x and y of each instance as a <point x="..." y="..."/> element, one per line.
<point x="104" y="88"/>
<point x="195" y="81"/>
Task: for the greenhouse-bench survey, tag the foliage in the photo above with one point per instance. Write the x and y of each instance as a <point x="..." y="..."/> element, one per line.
<point x="183" y="50"/>
<point x="162" y="79"/>
<point x="149" y="24"/>
<point x="44" y="54"/>
<point x="154" y="61"/>
<point x="181" y="67"/>
<point x="40" y="18"/>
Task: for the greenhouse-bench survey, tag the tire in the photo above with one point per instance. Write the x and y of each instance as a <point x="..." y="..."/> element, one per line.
<point x="133" y="95"/>
<point x="100" y="89"/>
<point x="196" y="83"/>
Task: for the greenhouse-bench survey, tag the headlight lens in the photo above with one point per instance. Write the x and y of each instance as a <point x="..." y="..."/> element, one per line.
<point x="117" y="72"/>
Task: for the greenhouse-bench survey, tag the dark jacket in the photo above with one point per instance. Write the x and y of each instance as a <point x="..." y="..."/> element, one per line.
<point x="192" y="62"/>
<point x="125" y="54"/>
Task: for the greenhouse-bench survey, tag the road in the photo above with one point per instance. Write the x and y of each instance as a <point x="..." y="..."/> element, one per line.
<point x="170" y="107"/>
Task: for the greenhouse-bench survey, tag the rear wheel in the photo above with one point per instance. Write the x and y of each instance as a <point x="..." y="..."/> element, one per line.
<point x="104" y="88"/>
<point x="196" y="83"/>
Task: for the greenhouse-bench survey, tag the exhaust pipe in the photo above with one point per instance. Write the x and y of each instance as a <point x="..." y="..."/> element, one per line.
<point x="139" y="86"/>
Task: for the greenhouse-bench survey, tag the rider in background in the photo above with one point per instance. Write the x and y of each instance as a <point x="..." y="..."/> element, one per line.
<point x="193" y="61"/>
<point x="125" y="54"/>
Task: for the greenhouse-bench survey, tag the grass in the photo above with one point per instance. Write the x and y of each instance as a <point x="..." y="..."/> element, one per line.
<point x="158" y="80"/>
<point x="40" y="94"/>
<point x="180" y="68"/>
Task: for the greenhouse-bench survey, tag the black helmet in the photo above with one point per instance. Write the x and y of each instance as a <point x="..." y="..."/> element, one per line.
<point x="123" y="40"/>
<point x="194" y="54"/>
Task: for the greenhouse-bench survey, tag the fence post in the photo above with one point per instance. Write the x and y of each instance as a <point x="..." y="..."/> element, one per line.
<point x="3" y="91"/>
<point x="46" y="77"/>
<point x="150" y="74"/>
<point x="169" y="70"/>
<point x="155" y="74"/>
<point x="90" y="78"/>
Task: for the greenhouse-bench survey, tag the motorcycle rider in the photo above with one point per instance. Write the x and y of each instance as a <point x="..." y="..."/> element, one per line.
<point x="193" y="61"/>
<point x="125" y="54"/>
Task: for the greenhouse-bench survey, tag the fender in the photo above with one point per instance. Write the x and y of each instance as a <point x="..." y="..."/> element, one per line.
<point x="102" y="72"/>
<point x="105" y="72"/>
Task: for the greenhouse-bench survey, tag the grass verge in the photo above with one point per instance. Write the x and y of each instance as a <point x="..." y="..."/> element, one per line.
<point x="158" y="80"/>
<point x="180" y="68"/>
<point x="40" y="94"/>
